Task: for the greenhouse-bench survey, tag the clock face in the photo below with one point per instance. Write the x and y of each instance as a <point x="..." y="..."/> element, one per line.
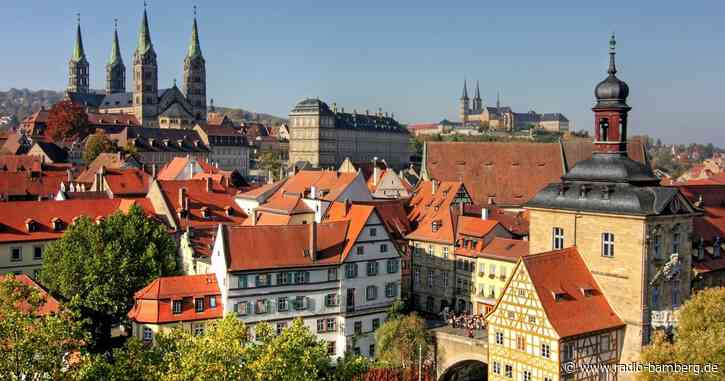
<point x="675" y="205"/>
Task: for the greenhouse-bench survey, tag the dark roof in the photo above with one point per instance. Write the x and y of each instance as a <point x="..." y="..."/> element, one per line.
<point x="311" y="105"/>
<point x="93" y="99"/>
<point x="117" y="100"/>
<point x="54" y="152"/>
<point x="611" y="168"/>
<point x="553" y="117"/>
<point x="164" y="139"/>
<point x="350" y="121"/>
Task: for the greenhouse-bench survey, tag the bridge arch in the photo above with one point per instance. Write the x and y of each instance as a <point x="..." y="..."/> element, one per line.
<point x="465" y="370"/>
<point x="458" y="356"/>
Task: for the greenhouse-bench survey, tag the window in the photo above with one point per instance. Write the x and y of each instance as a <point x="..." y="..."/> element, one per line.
<point x="657" y="246"/>
<point x="260" y="307"/>
<point x="558" y="239"/>
<point x="604" y="343"/>
<point x="676" y="243"/>
<point x="331" y="300"/>
<point x="499" y="338"/>
<point x="357" y="327"/>
<point x="392" y="266"/>
<point x="282" y="304"/>
<point x="284" y="278"/>
<point x="243" y="308"/>
<point x="546" y="350"/>
<point x="38" y="252"/>
<point x="548" y="379"/>
<point x="371" y="292"/>
<point x="301" y="277"/>
<point x="496" y="367"/>
<point x="198" y="329"/>
<point x="391" y="290"/>
<point x="320" y="325"/>
<point x="445" y="279"/>
<point x="371" y="350"/>
<point x="376" y="324"/>
<point x="445" y="252"/>
<point x="263" y="280"/>
<point x="16" y="254"/>
<point x="522" y="292"/>
<point x="199" y="304"/>
<point x="212" y="302"/>
<point x="351" y="270"/>
<point x="430" y="278"/>
<point x="332" y="274"/>
<point x="607" y="245"/>
<point x="356" y="351"/>
<point x="429" y="304"/>
<point x="532" y="319"/>
<point x="242" y="281"/>
<point x="383" y="248"/>
<point x="416" y="275"/>
<point x="511" y="315"/>
<point x="526" y="376"/>
<point x="521" y="342"/>
<point x="360" y="250"/>
<point x="655" y="297"/>
<point x="509" y="371"/>
<point x="568" y="354"/>
<point x="373" y="232"/>
<point x="176" y="306"/>
<point x="372" y="268"/>
<point x="330" y="325"/>
<point x="675" y="293"/>
<point x="431" y="251"/>
<point x="148" y="334"/>
<point x="280" y="327"/>
<point x="331" y="348"/>
<point x="299" y="303"/>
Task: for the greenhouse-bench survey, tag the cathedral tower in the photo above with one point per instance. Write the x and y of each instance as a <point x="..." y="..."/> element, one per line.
<point x="78" y="65"/>
<point x="610" y="112"/>
<point x="477" y="102"/>
<point x="464" y="105"/>
<point x="115" y="69"/>
<point x="145" y="77"/>
<point x="195" y="75"/>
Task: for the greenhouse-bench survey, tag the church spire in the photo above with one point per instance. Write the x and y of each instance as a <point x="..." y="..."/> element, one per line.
<point x="478" y="92"/>
<point x="465" y="90"/>
<point x="144" y="35"/>
<point x="612" y="46"/>
<point x="78" y="52"/>
<point x="115" y="48"/>
<point x="194" y="46"/>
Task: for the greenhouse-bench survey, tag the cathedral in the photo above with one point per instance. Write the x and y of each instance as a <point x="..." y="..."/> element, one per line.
<point x="153" y="107"/>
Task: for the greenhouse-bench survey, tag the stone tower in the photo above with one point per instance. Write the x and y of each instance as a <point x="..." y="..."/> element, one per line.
<point x="78" y="65"/>
<point x="633" y="233"/>
<point x="115" y="69"/>
<point x="464" y="105"/>
<point x="195" y="75"/>
<point x="477" y="102"/>
<point x="145" y="77"/>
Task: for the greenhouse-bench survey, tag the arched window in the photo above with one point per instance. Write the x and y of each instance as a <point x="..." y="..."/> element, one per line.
<point x="603" y="129"/>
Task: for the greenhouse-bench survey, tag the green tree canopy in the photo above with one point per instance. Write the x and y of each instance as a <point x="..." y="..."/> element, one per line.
<point x="34" y="346"/>
<point x="699" y="339"/>
<point x="399" y="340"/>
<point x="98" y="267"/>
<point x="96" y="144"/>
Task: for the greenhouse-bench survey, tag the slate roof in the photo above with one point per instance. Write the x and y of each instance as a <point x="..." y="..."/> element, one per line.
<point x="350" y="121"/>
<point x="553" y="117"/>
<point x="54" y="152"/>
<point x="116" y="100"/>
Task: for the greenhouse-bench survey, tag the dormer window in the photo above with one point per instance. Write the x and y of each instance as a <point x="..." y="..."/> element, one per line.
<point x="56" y="223"/>
<point x="204" y="212"/>
<point x="436" y="225"/>
<point x="559" y="295"/>
<point x="587" y="290"/>
<point x="228" y="211"/>
<point x="31" y="225"/>
<point x="176" y="307"/>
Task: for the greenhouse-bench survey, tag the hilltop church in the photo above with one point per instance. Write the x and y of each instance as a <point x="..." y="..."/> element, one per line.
<point x="153" y="107"/>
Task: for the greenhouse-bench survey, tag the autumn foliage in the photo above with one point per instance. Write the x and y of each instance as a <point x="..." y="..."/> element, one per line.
<point x="67" y="121"/>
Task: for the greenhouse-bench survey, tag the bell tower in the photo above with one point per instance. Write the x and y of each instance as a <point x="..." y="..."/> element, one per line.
<point x="195" y="74"/>
<point x="610" y="112"/>
<point x="464" y="109"/>
<point x="145" y="77"/>
<point x="115" y="69"/>
<point x="78" y="65"/>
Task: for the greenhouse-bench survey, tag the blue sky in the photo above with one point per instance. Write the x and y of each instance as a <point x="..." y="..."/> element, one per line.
<point x="408" y="57"/>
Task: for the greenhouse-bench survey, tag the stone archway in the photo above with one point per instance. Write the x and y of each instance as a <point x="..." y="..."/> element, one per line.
<point x="466" y="370"/>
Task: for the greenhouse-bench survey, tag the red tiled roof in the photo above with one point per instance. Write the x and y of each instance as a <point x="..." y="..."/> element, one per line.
<point x="283" y="246"/>
<point x="107" y="160"/>
<point x="50" y="305"/>
<point x="173" y="168"/>
<point x="260" y="191"/>
<point x="15" y="214"/>
<point x="153" y="303"/>
<point x="393" y="214"/>
<point x="574" y="313"/>
<point x="286" y="204"/>
<point x="20" y="163"/>
<point x="216" y="201"/>
<point x="115" y="119"/>
<point x="422" y="126"/>
<point x="330" y="183"/>
<point x="20" y="184"/>
<point x="428" y="208"/>
<point x="128" y="182"/>
<point x="506" y="249"/>
<point x="475" y="227"/>
<point x="710" y="224"/>
<point x="217" y="129"/>
<point x="515" y="222"/>
<point x="356" y="215"/>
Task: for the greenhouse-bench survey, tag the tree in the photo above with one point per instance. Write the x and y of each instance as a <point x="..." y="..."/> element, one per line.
<point x="98" y="267"/>
<point x="399" y="340"/>
<point x="67" y="120"/>
<point x="698" y="339"/>
<point x="296" y="354"/>
<point x="97" y="144"/>
<point x="270" y="162"/>
<point x="34" y="346"/>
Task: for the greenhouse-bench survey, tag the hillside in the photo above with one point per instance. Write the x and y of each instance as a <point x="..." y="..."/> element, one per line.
<point x="23" y="102"/>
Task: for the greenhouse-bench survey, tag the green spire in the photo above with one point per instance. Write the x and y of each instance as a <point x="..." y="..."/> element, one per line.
<point x="78" y="52"/>
<point x="144" y="36"/>
<point x="115" y="49"/>
<point x="194" y="46"/>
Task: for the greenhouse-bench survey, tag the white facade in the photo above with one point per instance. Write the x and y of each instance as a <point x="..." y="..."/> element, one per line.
<point x="340" y="305"/>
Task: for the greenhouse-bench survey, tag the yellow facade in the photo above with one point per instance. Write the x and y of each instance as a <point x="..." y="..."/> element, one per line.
<point x="490" y="280"/>
<point x="642" y="246"/>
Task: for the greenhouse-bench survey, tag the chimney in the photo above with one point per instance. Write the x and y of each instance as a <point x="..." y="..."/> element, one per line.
<point x="434" y="186"/>
<point x="376" y="171"/>
<point x="313" y="241"/>
<point x="348" y="205"/>
<point x="70" y="175"/>
<point x="208" y="184"/>
<point x="254" y="217"/>
<point x="182" y="198"/>
<point x="153" y="170"/>
<point x="484" y="213"/>
<point x="313" y="192"/>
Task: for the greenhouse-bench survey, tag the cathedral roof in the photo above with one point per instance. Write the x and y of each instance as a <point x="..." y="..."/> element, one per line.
<point x="115" y="57"/>
<point x="117" y="100"/>
<point x="144" y="35"/>
<point x="194" y="46"/>
<point x="78" y="51"/>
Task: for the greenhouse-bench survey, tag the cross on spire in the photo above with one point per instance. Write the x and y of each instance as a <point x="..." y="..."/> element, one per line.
<point x="194" y="10"/>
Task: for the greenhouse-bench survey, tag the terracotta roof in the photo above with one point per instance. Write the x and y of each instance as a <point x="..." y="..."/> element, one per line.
<point x="20" y="184"/>
<point x="115" y="119"/>
<point x="202" y="240"/>
<point x="515" y="222"/>
<point x="507" y="173"/>
<point x="356" y="215"/>
<point x="153" y="303"/>
<point x="431" y="212"/>
<point x="215" y="201"/>
<point x="215" y="118"/>
<point x="286" y="203"/>
<point x="107" y="160"/>
<point x="283" y="246"/>
<point x="475" y="227"/>
<point x="175" y="166"/>
<point x="50" y="306"/>
<point x="330" y="184"/>
<point x="709" y="225"/>
<point x="212" y="129"/>
<point x="15" y="144"/>
<point x="393" y="214"/>
<point x="506" y="249"/>
<point x="127" y="182"/>
<point x="20" y="163"/>
<point x="16" y="214"/>
<point x="263" y="192"/>
<point x="564" y="271"/>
